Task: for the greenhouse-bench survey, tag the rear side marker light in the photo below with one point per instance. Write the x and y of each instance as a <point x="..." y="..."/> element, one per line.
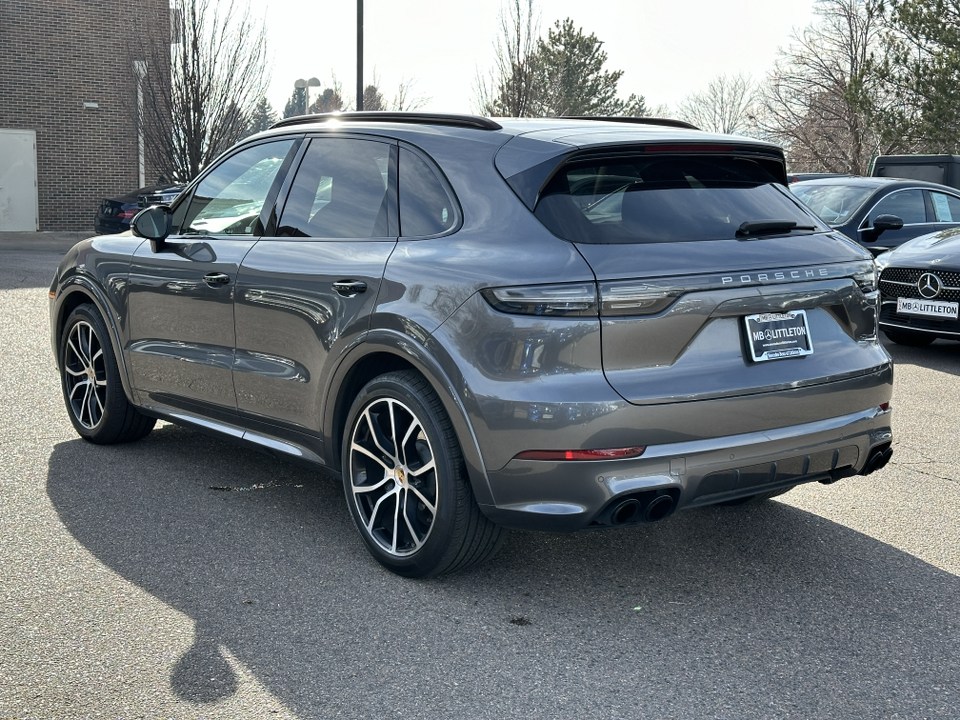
<point x="884" y="407"/>
<point x="580" y="455"/>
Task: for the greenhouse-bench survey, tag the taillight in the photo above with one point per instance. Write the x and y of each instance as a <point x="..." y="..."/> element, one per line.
<point x="577" y="300"/>
<point x="635" y="298"/>
<point x="866" y="276"/>
<point x="127" y="214"/>
<point x="581" y="455"/>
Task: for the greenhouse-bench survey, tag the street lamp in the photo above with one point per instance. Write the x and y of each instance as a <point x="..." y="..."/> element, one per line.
<point x="306" y="85"/>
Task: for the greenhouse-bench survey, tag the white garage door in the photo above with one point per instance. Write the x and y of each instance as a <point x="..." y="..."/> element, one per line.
<point x="18" y="180"/>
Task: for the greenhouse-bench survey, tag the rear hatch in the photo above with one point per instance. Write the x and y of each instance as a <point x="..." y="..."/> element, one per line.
<point x="714" y="281"/>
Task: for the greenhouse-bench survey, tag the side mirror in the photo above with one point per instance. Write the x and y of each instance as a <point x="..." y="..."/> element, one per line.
<point x="155" y="224"/>
<point x="886" y="222"/>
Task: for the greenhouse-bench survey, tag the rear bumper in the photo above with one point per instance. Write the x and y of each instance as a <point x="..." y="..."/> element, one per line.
<point x="571" y="496"/>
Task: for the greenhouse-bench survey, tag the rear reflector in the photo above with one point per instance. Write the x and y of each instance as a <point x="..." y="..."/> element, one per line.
<point x="563" y="455"/>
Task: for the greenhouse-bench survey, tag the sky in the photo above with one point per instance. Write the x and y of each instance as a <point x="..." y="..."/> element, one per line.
<point x="667" y="49"/>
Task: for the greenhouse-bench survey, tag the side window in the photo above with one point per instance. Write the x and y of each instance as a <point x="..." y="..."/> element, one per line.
<point x="425" y="206"/>
<point x="906" y="205"/>
<point x="340" y="191"/>
<point x="945" y="207"/>
<point x="229" y="200"/>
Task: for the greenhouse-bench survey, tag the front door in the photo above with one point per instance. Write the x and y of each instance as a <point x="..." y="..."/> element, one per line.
<point x="182" y="338"/>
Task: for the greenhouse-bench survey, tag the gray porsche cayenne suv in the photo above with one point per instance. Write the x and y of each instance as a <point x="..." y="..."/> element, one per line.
<point x="557" y="324"/>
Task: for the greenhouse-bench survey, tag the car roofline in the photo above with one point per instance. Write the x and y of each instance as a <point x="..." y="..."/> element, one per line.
<point x="414" y="118"/>
<point x="459" y="120"/>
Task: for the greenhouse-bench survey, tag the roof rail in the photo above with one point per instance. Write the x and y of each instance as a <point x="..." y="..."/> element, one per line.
<point x="668" y="122"/>
<point x="467" y="121"/>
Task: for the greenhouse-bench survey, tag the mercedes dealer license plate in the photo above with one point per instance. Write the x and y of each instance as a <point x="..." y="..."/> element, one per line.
<point x="772" y="336"/>
<point x="927" y="308"/>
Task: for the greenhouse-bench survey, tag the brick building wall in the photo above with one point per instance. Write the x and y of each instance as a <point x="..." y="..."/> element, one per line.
<point x="55" y="56"/>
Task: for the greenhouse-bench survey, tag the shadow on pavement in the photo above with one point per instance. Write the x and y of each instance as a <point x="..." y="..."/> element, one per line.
<point x="942" y="355"/>
<point x="725" y="612"/>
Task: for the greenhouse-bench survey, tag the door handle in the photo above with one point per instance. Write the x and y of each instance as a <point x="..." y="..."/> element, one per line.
<point x="349" y="288"/>
<point x="216" y="278"/>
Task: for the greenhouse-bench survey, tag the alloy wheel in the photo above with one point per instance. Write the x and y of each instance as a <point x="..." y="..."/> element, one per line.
<point x="393" y="477"/>
<point x="85" y="375"/>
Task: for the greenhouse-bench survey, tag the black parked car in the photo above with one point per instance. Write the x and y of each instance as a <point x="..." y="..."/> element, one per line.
<point x="920" y="287"/>
<point x="881" y="213"/>
<point x="801" y="177"/>
<point x="556" y="324"/>
<point x="114" y="214"/>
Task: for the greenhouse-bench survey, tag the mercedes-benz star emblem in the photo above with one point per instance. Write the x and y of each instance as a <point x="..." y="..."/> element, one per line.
<point x="929" y="285"/>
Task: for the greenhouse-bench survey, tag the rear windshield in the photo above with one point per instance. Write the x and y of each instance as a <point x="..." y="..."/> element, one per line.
<point x="663" y="199"/>
<point x="833" y="203"/>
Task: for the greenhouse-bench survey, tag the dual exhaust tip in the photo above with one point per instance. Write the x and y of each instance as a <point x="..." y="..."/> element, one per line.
<point x="646" y="507"/>
<point x="878" y="458"/>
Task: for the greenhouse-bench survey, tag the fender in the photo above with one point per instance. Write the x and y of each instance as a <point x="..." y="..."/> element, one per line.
<point x="405" y="347"/>
<point x="79" y="282"/>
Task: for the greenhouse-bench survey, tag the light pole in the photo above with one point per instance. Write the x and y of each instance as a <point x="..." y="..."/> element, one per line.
<point x="359" y="54"/>
<point x="306" y="85"/>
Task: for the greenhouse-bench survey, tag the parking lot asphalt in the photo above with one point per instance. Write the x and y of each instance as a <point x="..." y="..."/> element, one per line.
<point x="183" y="577"/>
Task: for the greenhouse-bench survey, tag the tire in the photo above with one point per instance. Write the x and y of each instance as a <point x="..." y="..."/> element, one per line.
<point x="406" y="482"/>
<point x="758" y="498"/>
<point x="909" y="337"/>
<point x="90" y="380"/>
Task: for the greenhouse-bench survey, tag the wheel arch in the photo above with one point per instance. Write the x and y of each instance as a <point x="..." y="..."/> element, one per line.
<point x="77" y="291"/>
<point x="386" y="351"/>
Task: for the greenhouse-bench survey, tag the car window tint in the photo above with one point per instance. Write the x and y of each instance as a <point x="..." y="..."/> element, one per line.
<point x="229" y="200"/>
<point x="340" y="191"/>
<point x="425" y="206"/>
<point x="663" y="199"/>
<point x="833" y="203"/>
<point x="946" y="208"/>
<point x="905" y="204"/>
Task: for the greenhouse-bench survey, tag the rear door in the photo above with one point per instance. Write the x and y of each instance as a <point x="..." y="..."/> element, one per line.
<point x="306" y="290"/>
<point x="182" y="338"/>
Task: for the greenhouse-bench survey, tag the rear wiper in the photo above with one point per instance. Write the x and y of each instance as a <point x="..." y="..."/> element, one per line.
<point x="752" y="228"/>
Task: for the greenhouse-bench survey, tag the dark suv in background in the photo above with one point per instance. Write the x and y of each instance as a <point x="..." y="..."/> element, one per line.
<point x="114" y="214"/>
<point x="557" y="324"/>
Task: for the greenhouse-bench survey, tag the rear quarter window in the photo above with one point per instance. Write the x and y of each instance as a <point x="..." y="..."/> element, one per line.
<point x="426" y="207"/>
<point x="656" y="199"/>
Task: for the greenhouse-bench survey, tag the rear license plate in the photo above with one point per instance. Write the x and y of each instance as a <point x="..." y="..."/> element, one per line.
<point x="927" y="308"/>
<point x="774" y="336"/>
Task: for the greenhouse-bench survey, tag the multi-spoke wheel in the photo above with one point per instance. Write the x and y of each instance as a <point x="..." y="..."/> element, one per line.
<point x="85" y="379"/>
<point x="98" y="407"/>
<point x="406" y="483"/>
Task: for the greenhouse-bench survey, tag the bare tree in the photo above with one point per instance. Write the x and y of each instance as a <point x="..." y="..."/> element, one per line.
<point x="217" y="74"/>
<point x="726" y="106"/>
<point x="405" y="100"/>
<point x="509" y="89"/>
<point x="813" y="102"/>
